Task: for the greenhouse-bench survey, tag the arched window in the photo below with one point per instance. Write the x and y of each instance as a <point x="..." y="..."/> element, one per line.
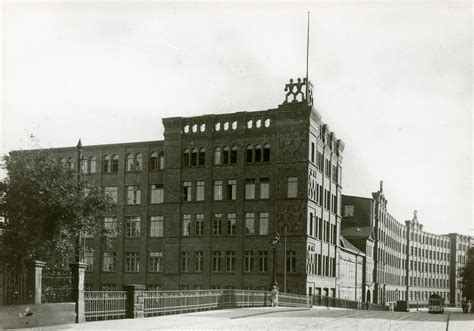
<point x="62" y="161"/>
<point x="129" y="162"/>
<point x="233" y="155"/>
<point x="186" y="158"/>
<point x="115" y="163"/>
<point x="106" y="163"/>
<point x="249" y="154"/>
<point x="92" y="164"/>
<point x="266" y="153"/>
<point x="138" y="162"/>
<point x="161" y="160"/>
<point x="202" y="156"/>
<point x="84" y="165"/>
<point x="154" y="161"/>
<point x="258" y="153"/>
<point x="217" y="156"/>
<point x="70" y="163"/>
<point x="194" y="157"/>
<point x="226" y="155"/>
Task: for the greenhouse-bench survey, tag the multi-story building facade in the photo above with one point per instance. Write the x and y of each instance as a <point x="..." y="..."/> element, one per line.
<point x="200" y="208"/>
<point x="409" y="263"/>
<point x="350" y="275"/>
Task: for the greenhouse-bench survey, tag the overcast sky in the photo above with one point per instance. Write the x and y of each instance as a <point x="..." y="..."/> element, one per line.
<point x="392" y="80"/>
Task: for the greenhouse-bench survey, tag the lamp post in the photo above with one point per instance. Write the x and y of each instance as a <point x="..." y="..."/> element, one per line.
<point x="275" y="242"/>
<point x="284" y="258"/>
<point x="78" y="234"/>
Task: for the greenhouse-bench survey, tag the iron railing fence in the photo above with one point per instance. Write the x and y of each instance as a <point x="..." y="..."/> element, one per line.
<point x="103" y="305"/>
<point x="13" y="286"/>
<point x="294" y="300"/>
<point x="321" y="300"/>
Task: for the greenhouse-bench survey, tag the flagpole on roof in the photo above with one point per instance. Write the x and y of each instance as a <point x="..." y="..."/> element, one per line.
<point x="307" y="59"/>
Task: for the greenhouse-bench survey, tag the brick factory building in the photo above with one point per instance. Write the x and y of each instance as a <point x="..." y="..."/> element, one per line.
<point x="200" y="208"/>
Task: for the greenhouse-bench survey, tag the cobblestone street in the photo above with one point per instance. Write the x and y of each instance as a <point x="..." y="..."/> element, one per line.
<point x="289" y="319"/>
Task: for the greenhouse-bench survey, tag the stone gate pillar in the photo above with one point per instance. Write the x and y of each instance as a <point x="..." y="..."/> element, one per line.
<point x="135" y="307"/>
<point x="34" y="280"/>
<point x="78" y="273"/>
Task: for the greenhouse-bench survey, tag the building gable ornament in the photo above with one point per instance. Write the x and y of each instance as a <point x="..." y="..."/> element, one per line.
<point x="296" y="93"/>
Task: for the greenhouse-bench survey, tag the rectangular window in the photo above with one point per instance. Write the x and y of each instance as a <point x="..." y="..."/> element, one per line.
<point x="132" y="261"/>
<point x="199" y="224"/>
<point x="310" y="232"/>
<point x="156" y="226"/>
<point x="292" y="187"/>
<point x="217" y="225"/>
<point x="200" y="190"/>
<point x="248" y="261"/>
<point x="184" y="261"/>
<point x="250" y="189"/>
<point x="349" y="211"/>
<point x="264" y="188"/>
<point x="231" y="189"/>
<point x="133" y="195"/>
<point x="187" y="191"/>
<point x="231" y="224"/>
<point x="218" y="190"/>
<point x="262" y="261"/>
<point x="110" y="226"/>
<point x="186" y="224"/>
<point x="132" y="227"/>
<point x="155" y="263"/>
<point x="109" y="261"/>
<point x="89" y="259"/>
<point x="263" y="224"/>
<point x="291" y="261"/>
<point x="216" y="261"/>
<point x="157" y="193"/>
<point x="312" y="152"/>
<point x="111" y="191"/>
<point x="198" y="261"/>
<point x="230" y="261"/>
<point x="249" y="223"/>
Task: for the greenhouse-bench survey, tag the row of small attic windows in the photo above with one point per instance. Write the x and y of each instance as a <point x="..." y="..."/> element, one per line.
<point x="110" y="163"/>
<point x="226" y="126"/>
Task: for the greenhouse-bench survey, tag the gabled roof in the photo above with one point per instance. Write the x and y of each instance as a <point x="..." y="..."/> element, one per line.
<point x="347" y="245"/>
<point x="366" y="232"/>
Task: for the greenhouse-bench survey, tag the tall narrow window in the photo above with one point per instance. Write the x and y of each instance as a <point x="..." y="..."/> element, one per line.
<point x="266" y="153"/>
<point x="132" y="261"/>
<point x="161" y="160"/>
<point x="291" y="261"/>
<point x="218" y="190"/>
<point x="138" y="166"/>
<point x="262" y="261"/>
<point x="230" y="261"/>
<point x="248" y="261"/>
<point x="249" y="154"/>
<point x="184" y="261"/>
<point x="111" y="191"/>
<point x="157" y="193"/>
<point x="84" y="165"/>
<point x="155" y="261"/>
<point x="153" y="161"/>
<point x="133" y="195"/>
<point x="226" y="155"/>
<point x="198" y="261"/>
<point x="89" y="259"/>
<point x="231" y="224"/>
<point x="199" y="224"/>
<point x="115" y="163"/>
<point x="250" y="188"/>
<point x="310" y="232"/>
<point x="105" y="163"/>
<point x="130" y="162"/>
<point x="264" y="188"/>
<point x="216" y="261"/>
<point x="292" y="187"/>
<point x="233" y="155"/>
<point x="217" y="225"/>
<point x="258" y="153"/>
<point x="249" y="223"/>
<point x="186" y="158"/>
<point x="263" y="224"/>
<point x="200" y="190"/>
<point x="231" y="189"/>
<point x="70" y="163"/>
<point x="312" y="152"/>
<point x="194" y="157"/>
<point x="132" y="227"/>
<point x="217" y="156"/>
<point x="111" y="226"/>
<point x="186" y="231"/>
<point x="202" y="156"/>
<point x="187" y="191"/>
<point x="156" y="226"/>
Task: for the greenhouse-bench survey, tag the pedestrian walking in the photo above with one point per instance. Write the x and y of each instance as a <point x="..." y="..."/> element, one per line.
<point x="274" y="296"/>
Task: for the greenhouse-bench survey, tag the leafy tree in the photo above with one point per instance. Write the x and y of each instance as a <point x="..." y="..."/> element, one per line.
<point x="45" y="206"/>
<point x="467" y="274"/>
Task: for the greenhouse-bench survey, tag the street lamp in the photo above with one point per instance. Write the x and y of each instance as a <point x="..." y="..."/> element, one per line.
<point x="78" y="234"/>
<point x="275" y="242"/>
